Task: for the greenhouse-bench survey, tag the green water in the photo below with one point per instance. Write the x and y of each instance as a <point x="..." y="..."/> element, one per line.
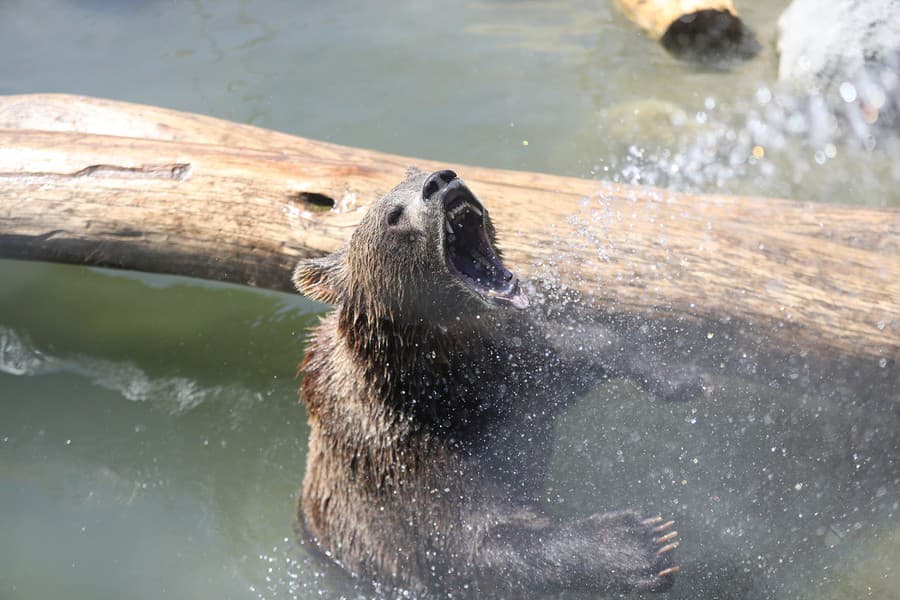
<point x="150" y="436"/>
<point x="151" y="443"/>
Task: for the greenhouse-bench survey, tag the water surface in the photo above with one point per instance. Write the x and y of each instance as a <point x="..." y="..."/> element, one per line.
<point x="151" y="443"/>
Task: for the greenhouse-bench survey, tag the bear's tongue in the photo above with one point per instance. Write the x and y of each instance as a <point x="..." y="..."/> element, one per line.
<point x="469" y="254"/>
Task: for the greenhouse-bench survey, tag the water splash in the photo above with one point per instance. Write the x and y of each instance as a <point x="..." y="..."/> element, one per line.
<point x="819" y="144"/>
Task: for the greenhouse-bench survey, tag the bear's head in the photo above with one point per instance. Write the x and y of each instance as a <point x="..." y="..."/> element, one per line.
<point x="426" y="250"/>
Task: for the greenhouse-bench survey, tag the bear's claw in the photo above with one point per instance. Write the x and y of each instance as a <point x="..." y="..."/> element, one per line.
<point x="667" y="537"/>
<point x="667" y="548"/>
<point x="663" y="527"/>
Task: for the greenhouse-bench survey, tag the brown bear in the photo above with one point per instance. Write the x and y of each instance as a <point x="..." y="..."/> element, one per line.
<point x="431" y="393"/>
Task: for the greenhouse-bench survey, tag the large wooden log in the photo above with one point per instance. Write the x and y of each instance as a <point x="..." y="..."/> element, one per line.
<point x="108" y="183"/>
<point x="697" y="29"/>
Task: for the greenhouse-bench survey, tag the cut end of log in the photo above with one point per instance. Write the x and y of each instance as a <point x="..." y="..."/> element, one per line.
<point x="710" y="37"/>
<point x="705" y="31"/>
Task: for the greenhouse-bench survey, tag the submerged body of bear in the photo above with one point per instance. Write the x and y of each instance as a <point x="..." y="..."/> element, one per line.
<point x="431" y="396"/>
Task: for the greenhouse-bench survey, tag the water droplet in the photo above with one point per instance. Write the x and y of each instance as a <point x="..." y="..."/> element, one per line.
<point x="848" y="92"/>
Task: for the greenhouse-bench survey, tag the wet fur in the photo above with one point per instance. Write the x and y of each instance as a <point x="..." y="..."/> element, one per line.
<point x="431" y="418"/>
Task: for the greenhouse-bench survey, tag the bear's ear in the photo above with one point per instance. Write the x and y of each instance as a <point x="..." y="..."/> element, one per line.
<point x="322" y="278"/>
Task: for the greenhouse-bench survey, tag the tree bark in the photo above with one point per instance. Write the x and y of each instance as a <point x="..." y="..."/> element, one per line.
<point x="113" y="184"/>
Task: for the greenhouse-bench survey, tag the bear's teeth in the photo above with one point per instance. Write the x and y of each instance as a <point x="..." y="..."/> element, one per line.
<point x="476" y="210"/>
<point x="448" y="227"/>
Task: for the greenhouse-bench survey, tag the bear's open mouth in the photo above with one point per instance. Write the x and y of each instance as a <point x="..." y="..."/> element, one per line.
<point x="468" y="252"/>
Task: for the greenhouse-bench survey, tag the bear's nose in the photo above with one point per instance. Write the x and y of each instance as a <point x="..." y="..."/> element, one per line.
<point x="436" y="182"/>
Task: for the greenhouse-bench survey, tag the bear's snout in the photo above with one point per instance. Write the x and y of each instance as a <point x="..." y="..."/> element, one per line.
<point x="436" y="182"/>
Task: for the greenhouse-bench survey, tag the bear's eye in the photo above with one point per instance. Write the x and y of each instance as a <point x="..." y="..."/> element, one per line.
<point x="394" y="216"/>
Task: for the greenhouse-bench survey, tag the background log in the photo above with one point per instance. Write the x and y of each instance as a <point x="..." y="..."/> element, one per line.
<point x="108" y="183"/>
<point x="696" y="29"/>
